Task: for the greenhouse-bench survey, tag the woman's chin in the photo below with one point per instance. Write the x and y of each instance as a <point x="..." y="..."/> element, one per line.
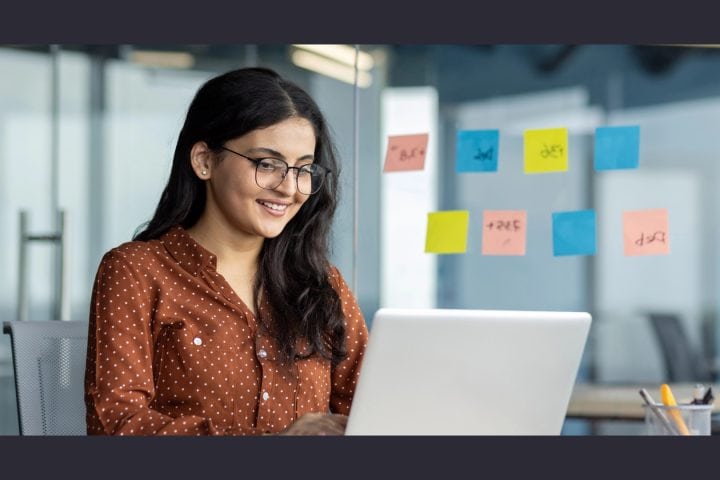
<point x="270" y="232"/>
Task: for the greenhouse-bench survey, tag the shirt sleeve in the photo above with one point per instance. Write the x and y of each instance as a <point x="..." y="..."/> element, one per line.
<point x="346" y="373"/>
<point x="119" y="382"/>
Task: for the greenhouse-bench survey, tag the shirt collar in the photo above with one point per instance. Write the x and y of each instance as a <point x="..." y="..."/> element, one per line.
<point x="186" y="251"/>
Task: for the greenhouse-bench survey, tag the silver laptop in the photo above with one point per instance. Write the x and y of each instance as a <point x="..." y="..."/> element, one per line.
<point x="468" y="372"/>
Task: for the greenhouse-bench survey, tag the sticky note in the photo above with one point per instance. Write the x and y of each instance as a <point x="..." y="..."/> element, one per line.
<point x="447" y="231"/>
<point x="646" y="232"/>
<point x="545" y="150"/>
<point x="504" y="232"/>
<point x="574" y="233"/>
<point x="477" y="151"/>
<point x="406" y="152"/>
<point x="617" y="147"/>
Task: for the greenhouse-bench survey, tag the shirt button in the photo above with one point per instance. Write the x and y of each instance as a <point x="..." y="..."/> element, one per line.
<point x="266" y="395"/>
<point x="262" y="353"/>
<point x="197" y="341"/>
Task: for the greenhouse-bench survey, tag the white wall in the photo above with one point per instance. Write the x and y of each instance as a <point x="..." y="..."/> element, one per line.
<point x="408" y="275"/>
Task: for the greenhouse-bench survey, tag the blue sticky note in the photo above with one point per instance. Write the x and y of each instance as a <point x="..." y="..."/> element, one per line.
<point x="617" y="147"/>
<point x="477" y="151"/>
<point x="574" y="233"/>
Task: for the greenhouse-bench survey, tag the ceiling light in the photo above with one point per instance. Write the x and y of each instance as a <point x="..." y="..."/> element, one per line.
<point x="342" y="53"/>
<point x="330" y="68"/>
<point x="162" y="59"/>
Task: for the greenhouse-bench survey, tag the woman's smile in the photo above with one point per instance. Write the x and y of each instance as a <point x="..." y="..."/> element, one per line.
<point x="274" y="208"/>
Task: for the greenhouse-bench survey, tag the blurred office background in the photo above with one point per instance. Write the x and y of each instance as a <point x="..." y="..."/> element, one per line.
<point x="90" y="130"/>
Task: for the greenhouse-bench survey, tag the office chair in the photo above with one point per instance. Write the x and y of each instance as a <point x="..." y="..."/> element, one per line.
<point x="683" y="363"/>
<point x="49" y="364"/>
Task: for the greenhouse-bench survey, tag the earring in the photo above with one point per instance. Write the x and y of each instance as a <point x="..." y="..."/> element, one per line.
<point x="204" y="172"/>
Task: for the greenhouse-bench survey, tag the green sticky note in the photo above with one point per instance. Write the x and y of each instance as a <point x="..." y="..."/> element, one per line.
<point x="447" y="231"/>
<point x="546" y="150"/>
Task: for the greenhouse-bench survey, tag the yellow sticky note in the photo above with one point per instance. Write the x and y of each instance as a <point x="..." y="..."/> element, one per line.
<point x="546" y="150"/>
<point x="447" y="231"/>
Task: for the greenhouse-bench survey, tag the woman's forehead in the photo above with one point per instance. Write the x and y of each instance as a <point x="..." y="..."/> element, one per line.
<point x="292" y="137"/>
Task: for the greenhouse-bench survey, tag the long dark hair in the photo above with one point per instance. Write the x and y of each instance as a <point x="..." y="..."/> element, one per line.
<point x="293" y="267"/>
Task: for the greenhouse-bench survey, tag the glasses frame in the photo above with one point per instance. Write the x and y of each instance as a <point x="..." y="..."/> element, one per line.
<point x="257" y="161"/>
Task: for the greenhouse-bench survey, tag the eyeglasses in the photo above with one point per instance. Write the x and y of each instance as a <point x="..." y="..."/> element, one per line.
<point x="271" y="172"/>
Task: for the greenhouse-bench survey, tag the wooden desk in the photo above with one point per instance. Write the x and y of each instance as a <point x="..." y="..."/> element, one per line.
<point x="622" y="402"/>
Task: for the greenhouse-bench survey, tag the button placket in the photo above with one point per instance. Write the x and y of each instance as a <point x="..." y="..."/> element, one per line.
<point x="267" y="386"/>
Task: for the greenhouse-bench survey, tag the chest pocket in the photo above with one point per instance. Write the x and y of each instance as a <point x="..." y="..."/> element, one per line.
<point x="185" y="348"/>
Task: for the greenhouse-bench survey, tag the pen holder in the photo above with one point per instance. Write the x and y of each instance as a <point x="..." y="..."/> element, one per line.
<point x="665" y="420"/>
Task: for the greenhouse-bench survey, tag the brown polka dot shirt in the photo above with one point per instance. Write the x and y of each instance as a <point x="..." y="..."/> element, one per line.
<point x="172" y="350"/>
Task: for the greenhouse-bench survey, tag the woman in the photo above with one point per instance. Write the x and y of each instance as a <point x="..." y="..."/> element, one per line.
<point x="224" y="316"/>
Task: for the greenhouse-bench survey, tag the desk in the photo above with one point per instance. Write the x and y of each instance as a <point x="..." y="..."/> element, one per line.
<point x="623" y="402"/>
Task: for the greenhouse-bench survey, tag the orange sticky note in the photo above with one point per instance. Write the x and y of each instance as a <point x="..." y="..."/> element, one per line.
<point x="546" y="150"/>
<point x="504" y="232"/>
<point x="646" y="232"/>
<point x="406" y="152"/>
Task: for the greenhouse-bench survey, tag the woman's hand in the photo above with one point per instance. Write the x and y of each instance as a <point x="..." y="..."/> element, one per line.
<point x="318" y="424"/>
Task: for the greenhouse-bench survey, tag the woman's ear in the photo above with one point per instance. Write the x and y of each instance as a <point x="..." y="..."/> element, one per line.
<point x="201" y="160"/>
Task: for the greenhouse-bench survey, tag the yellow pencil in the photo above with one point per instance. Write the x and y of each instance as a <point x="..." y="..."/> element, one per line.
<point x="668" y="400"/>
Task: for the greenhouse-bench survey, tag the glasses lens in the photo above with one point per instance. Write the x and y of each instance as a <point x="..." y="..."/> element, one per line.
<point x="310" y="178"/>
<point x="270" y="172"/>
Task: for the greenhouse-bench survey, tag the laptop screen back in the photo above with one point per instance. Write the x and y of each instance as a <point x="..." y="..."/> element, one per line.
<point x="468" y="372"/>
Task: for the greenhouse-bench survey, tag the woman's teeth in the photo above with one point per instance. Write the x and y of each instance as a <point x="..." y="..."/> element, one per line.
<point x="274" y="206"/>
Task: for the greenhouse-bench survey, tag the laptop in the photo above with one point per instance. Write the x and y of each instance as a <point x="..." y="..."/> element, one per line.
<point x="468" y="372"/>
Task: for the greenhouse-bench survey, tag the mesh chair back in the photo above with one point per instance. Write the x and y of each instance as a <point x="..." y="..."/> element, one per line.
<point x="49" y="364"/>
<point x="683" y="363"/>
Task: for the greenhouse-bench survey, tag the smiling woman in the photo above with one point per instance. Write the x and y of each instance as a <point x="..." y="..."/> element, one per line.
<point x="224" y="315"/>
<point x="256" y="199"/>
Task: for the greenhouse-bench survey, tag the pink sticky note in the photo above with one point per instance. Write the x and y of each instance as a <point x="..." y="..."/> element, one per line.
<point x="504" y="232"/>
<point x="645" y="232"/>
<point x="406" y="152"/>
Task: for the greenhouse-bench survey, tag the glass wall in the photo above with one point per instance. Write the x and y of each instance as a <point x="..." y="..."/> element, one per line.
<point x="90" y="131"/>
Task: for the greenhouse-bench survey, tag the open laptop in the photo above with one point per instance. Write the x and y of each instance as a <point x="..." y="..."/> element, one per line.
<point x="468" y="372"/>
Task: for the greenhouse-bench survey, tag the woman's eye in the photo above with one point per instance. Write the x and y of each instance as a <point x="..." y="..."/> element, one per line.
<point x="305" y="171"/>
<point x="267" y="165"/>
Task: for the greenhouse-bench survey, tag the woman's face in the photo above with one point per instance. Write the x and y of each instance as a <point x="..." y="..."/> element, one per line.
<point x="233" y="196"/>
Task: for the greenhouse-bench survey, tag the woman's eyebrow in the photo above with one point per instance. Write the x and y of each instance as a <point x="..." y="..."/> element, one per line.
<point x="276" y="154"/>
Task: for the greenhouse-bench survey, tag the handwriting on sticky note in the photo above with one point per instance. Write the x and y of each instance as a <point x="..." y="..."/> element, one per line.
<point x="646" y="232"/>
<point x="648" y="238"/>
<point x="484" y="155"/>
<point x="504" y="232"/>
<point x="545" y="150"/>
<point x="477" y="151"/>
<point x="552" y="151"/>
<point x="447" y="231"/>
<point x="406" y="152"/>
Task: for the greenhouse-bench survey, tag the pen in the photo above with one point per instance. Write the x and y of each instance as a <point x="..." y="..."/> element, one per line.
<point x="658" y="413"/>
<point x="668" y="400"/>
<point x="708" y="398"/>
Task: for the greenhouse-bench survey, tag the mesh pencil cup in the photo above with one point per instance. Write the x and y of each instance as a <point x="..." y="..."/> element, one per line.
<point x="678" y="420"/>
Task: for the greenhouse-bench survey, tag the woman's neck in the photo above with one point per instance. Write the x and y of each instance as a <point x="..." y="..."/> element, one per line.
<point x="235" y="251"/>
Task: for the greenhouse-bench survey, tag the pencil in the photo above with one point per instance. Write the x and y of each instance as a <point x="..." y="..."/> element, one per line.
<point x="668" y="400"/>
